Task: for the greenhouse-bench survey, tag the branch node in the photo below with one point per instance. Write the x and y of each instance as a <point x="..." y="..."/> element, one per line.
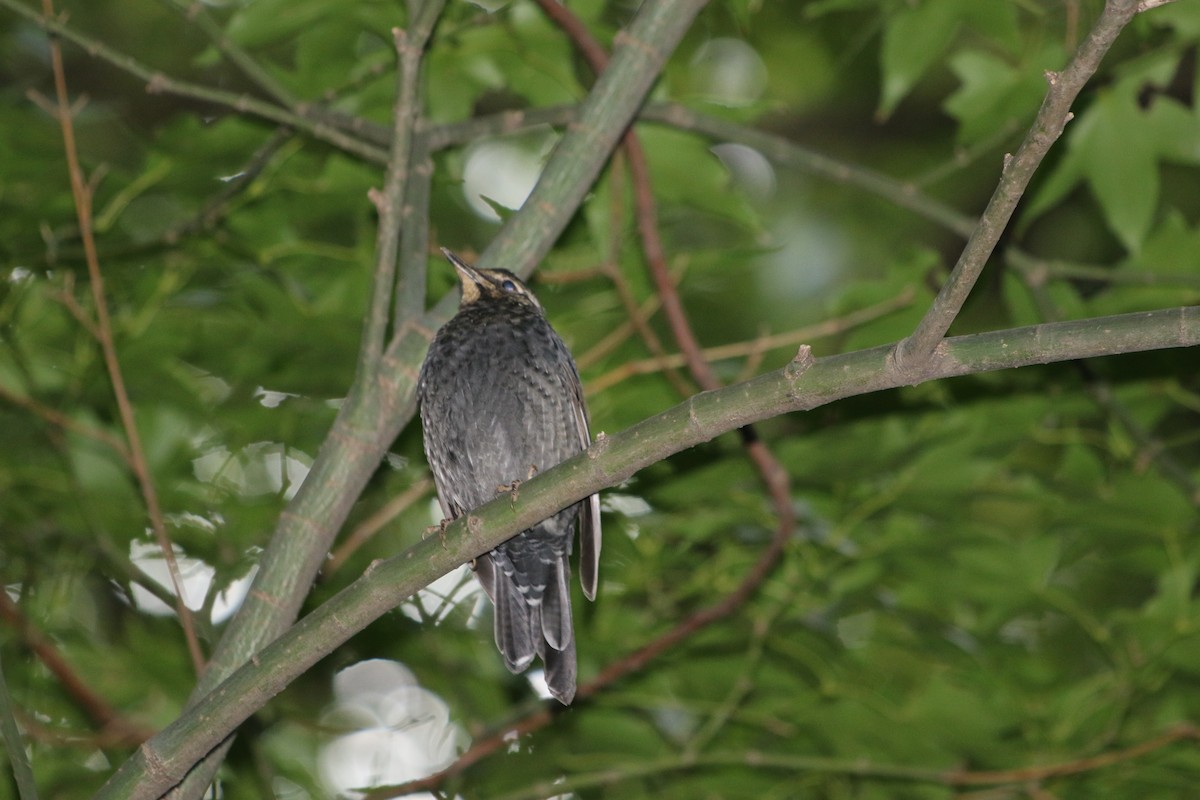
<point x="801" y="362"/>
<point x="624" y="39"/>
<point x="599" y="447"/>
<point x="155" y="766"/>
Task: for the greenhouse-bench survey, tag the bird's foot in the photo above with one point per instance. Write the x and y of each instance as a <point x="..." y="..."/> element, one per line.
<point x="512" y="489"/>
<point x="440" y="529"/>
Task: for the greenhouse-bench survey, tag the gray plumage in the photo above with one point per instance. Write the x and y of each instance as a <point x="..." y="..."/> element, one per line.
<point x="501" y="400"/>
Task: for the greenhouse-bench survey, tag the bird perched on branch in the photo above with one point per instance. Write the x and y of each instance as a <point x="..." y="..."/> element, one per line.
<point x="501" y="400"/>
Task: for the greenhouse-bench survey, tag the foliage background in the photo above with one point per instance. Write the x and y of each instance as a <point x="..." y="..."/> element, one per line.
<point x="988" y="574"/>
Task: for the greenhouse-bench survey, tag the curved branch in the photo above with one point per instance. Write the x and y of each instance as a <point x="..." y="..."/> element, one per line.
<point x="803" y="384"/>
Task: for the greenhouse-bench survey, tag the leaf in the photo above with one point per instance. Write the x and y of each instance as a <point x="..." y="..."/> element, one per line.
<point x="267" y="21"/>
<point x="1122" y="167"/>
<point x="1176" y="130"/>
<point x="913" y="40"/>
<point x="995" y="93"/>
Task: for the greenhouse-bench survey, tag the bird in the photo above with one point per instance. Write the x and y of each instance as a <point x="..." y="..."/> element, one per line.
<point x="501" y="400"/>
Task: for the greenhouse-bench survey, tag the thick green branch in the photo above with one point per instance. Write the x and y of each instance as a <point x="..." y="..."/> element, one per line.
<point x="803" y="384"/>
<point x="370" y="418"/>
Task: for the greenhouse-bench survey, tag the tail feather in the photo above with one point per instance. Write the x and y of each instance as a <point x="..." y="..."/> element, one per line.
<point x="512" y="625"/>
<point x="532" y="598"/>
<point x="556" y="607"/>
<point x="560" y="671"/>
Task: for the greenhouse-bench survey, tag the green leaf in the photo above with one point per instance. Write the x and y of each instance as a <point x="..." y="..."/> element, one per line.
<point x="995" y="93"/>
<point x="1122" y="167"/>
<point x="914" y="38"/>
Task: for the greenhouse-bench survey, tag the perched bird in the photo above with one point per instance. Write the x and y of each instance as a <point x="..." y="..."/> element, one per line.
<point x="501" y="400"/>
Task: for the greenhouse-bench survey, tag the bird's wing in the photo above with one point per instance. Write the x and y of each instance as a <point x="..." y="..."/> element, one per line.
<point x="589" y="512"/>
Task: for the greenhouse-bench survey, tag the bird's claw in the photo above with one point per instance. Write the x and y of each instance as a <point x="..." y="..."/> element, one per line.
<point x="440" y="529"/>
<point x="513" y="490"/>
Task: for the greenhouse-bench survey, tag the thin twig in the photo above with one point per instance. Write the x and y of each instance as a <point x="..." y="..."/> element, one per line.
<point x="393" y="211"/>
<point x="856" y="769"/>
<point x="106" y="718"/>
<point x="103" y="331"/>
<point x="760" y="344"/>
<point x="964" y="157"/>
<point x="639" y="314"/>
<point x="61" y="420"/>
<point x="639" y="319"/>
<point x="195" y="12"/>
<point x="1180" y="733"/>
<point x="1152" y="450"/>
<point x="219" y="205"/>
<point x="157" y="82"/>
<point x="1051" y="119"/>
<point x="375" y="523"/>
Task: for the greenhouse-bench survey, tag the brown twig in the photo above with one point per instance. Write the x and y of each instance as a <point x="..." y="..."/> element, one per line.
<point x="1183" y="732"/>
<point x="110" y="722"/>
<point x="638" y="317"/>
<point x="639" y="320"/>
<point x="61" y="420"/>
<point x="375" y="523"/>
<point x="646" y="207"/>
<point x="103" y="333"/>
<point x="754" y="346"/>
<point x="640" y="314"/>
<point x="1025" y="780"/>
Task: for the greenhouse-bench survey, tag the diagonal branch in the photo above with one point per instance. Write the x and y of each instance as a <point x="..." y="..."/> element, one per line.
<point x="195" y="13"/>
<point x="61" y="420"/>
<point x="410" y="49"/>
<point x="639" y="53"/>
<point x="289" y="557"/>
<point x="158" y="82"/>
<point x="1018" y="169"/>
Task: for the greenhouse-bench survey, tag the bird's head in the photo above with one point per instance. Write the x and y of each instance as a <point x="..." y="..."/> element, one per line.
<point x="490" y="284"/>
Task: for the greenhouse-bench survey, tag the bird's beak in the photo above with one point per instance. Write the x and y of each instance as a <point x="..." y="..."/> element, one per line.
<point x="467" y="276"/>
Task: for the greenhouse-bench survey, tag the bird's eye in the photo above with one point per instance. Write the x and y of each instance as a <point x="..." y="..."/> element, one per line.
<point x="508" y="286"/>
